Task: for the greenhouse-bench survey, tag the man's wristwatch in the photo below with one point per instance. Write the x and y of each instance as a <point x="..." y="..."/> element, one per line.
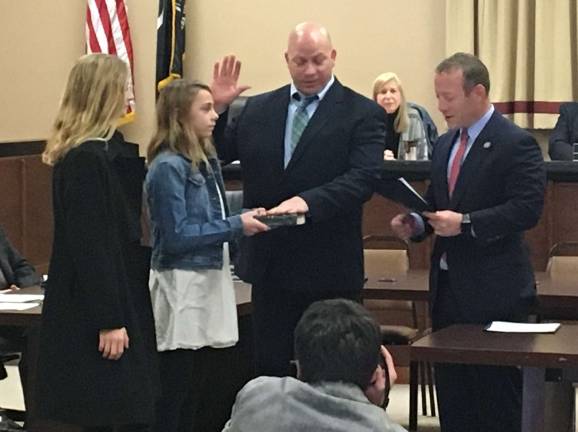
<point x="466" y="224"/>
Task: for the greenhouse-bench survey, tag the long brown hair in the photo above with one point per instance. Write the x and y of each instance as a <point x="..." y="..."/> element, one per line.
<point x="93" y="101"/>
<point x="173" y="133"/>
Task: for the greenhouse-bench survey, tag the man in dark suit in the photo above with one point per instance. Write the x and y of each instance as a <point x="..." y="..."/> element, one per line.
<point x="487" y="188"/>
<point x="565" y="133"/>
<point x="312" y="147"/>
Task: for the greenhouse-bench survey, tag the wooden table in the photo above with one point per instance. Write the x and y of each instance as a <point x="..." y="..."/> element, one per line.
<point x="414" y="286"/>
<point x="24" y="318"/>
<point x="32" y="316"/>
<point x="561" y="293"/>
<point x="470" y="344"/>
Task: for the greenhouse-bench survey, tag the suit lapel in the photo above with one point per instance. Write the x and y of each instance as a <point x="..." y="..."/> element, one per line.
<point x="473" y="162"/>
<point x="322" y="115"/>
<point x="276" y="120"/>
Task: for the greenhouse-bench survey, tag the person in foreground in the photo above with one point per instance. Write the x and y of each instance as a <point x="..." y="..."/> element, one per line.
<point x="487" y="188"/>
<point x="95" y="363"/>
<point x="190" y="282"/>
<point x="341" y="383"/>
<point x="313" y="147"/>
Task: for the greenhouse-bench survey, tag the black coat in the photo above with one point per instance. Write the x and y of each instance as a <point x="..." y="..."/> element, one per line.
<point x="333" y="168"/>
<point x="501" y="185"/>
<point x="565" y="133"/>
<point x="97" y="280"/>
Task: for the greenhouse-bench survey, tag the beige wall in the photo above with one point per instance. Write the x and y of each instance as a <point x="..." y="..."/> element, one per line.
<point x="407" y="37"/>
<point x="40" y="40"/>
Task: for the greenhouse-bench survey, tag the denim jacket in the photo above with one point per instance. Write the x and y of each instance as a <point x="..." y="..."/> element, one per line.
<point x="187" y="227"/>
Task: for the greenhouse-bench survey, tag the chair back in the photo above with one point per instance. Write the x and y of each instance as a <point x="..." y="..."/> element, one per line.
<point x="563" y="260"/>
<point x="385" y="255"/>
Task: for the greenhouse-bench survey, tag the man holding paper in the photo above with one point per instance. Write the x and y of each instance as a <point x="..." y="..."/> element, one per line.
<point x="487" y="188"/>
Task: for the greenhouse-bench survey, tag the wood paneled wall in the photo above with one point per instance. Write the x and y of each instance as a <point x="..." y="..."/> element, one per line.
<point x="26" y="209"/>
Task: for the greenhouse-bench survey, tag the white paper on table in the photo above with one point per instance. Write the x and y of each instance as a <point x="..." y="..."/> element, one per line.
<point x="20" y="298"/>
<point x="17" y="306"/>
<point x="516" y="327"/>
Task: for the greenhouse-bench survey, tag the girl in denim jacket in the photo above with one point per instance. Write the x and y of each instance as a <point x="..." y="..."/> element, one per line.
<point x="190" y="282"/>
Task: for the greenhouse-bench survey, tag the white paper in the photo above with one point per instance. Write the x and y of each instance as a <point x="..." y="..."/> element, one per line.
<point x="515" y="327"/>
<point x="20" y="298"/>
<point x="17" y="306"/>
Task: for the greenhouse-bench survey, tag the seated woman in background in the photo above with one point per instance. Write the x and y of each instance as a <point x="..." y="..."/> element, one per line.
<point x="405" y="137"/>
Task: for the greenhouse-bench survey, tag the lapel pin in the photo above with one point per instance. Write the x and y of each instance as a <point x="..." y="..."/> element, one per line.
<point x="487" y="145"/>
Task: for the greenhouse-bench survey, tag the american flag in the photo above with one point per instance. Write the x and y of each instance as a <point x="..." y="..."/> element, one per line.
<point x="107" y="31"/>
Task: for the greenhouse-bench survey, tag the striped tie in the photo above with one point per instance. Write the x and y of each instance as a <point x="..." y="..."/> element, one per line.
<point x="300" y="119"/>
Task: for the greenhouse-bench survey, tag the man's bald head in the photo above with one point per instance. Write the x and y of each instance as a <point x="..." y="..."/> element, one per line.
<point x="310" y="57"/>
<point x="310" y="30"/>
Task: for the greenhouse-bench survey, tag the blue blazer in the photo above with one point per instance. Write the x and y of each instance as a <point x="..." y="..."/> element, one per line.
<point x="501" y="184"/>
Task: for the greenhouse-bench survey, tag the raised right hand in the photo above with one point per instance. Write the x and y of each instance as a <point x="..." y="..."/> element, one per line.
<point x="252" y="226"/>
<point x="225" y="87"/>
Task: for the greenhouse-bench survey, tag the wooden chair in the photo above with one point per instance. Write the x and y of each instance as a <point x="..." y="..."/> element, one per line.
<point x="563" y="260"/>
<point x="399" y="320"/>
<point x="562" y="267"/>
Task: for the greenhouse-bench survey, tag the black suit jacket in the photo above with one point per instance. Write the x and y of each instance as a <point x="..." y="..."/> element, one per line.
<point x="565" y="133"/>
<point x="333" y="168"/>
<point x="501" y="184"/>
<point x="16" y="269"/>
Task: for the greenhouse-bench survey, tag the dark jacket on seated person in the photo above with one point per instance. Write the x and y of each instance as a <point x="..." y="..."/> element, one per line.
<point x="14" y="270"/>
<point x="565" y="133"/>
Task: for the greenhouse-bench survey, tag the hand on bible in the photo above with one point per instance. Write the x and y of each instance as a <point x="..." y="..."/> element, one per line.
<point x="292" y="205"/>
<point x="252" y="226"/>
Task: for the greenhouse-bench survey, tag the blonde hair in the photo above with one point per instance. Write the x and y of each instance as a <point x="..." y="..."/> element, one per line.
<point x="173" y="132"/>
<point x="93" y="101"/>
<point x="401" y="122"/>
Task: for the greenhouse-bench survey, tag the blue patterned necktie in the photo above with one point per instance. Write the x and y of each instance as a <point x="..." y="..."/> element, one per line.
<point x="300" y="119"/>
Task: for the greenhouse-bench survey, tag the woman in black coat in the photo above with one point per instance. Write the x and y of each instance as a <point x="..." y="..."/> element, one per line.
<point x="95" y="354"/>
